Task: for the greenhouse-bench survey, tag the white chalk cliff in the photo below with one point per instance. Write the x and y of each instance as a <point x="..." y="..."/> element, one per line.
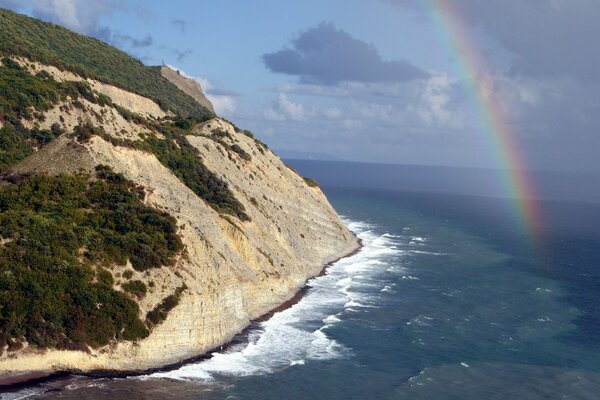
<point x="235" y="271"/>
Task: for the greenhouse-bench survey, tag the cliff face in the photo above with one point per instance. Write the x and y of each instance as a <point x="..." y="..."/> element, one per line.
<point x="233" y="269"/>
<point x="188" y="86"/>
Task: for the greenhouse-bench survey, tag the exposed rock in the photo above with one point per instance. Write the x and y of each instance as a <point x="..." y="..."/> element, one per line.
<point x="235" y="271"/>
<point x="188" y="86"/>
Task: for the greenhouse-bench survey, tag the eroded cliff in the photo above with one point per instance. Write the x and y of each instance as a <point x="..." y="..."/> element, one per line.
<point x="245" y="252"/>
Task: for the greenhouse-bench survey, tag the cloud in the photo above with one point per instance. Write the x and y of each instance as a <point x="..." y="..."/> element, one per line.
<point x="123" y="39"/>
<point x="284" y="109"/>
<point x="182" y="54"/>
<point x="79" y="15"/>
<point x="543" y="37"/>
<point x="327" y="55"/>
<point x="180" y="24"/>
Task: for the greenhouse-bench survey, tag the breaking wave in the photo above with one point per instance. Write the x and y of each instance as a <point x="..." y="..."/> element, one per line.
<point x="298" y="334"/>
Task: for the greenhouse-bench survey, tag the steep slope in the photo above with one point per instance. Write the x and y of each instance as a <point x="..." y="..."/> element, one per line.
<point x="188" y="86"/>
<point x="162" y="236"/>
<point x="88" y="57"/>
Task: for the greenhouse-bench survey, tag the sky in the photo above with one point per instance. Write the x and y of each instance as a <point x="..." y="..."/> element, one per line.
<point x="374" y="80"/>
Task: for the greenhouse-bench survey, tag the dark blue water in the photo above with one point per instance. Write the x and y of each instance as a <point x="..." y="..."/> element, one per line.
<point x="449" y="299"/>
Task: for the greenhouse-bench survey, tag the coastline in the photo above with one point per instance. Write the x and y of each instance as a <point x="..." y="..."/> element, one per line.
<point x="17" y="381"/>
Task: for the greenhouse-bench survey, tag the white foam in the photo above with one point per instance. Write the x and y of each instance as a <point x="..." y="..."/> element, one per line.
<point x="420" y="320"/>
<point x="410" y="277"/>
<point x="298" y="334"/>
<point x="388" y="288"/>
<point x="331" y="319"/>
<point x="428" y="252"/>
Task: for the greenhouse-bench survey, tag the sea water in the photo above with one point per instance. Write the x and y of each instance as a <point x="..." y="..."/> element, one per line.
<point x="449" y="298"/>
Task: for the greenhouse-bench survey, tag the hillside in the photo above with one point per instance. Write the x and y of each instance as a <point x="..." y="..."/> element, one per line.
<point x="88" y="57"/>
<point x="134" y="235"/>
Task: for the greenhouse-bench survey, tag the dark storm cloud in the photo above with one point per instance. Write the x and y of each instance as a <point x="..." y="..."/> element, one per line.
<point x="327" y="55"/>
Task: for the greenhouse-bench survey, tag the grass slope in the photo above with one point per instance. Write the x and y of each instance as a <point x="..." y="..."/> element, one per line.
<point x="54" y="45"/>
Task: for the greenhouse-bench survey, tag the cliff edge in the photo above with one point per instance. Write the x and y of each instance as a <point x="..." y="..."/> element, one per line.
<point x="137" y="230"/>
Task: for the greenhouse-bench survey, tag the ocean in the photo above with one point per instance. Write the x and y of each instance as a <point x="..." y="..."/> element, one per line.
<point x="448" y="299"/>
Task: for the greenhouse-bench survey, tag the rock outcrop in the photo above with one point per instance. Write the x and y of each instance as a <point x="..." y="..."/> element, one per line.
<point x="188" y="86"/>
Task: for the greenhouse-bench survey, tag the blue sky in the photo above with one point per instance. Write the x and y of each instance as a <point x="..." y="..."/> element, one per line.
<point x="370" y="80"/>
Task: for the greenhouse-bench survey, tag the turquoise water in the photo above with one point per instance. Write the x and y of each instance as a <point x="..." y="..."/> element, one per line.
<point x="446" y="300"/>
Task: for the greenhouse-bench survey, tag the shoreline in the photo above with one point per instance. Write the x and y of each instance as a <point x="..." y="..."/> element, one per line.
<point x="19" y="381"/>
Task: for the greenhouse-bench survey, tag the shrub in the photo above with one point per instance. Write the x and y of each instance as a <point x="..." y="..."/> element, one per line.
<point x="136" y="288"/>
<point x="311" y="182"/>
<point x="242" y="153"/>
<point x="160" y="312"/>
<point x="184" y="161"/>
<point x="60" y="228"/>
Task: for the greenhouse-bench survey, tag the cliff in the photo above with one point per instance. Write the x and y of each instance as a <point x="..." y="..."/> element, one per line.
<point x="235" y="233"/>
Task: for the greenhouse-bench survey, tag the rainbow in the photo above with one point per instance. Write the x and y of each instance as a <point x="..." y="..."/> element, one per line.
<point x="449" y="19"/>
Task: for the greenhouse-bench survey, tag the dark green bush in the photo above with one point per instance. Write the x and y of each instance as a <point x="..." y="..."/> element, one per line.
<point x="57" y="229"/>
<point x="311" y="182"/>
<point x="160" y="312"/>
<point x="136" y="288"/>
<point x="242" y="153"/>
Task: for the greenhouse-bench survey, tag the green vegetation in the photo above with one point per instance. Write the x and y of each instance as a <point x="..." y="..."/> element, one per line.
<point x="53" y="45"/>
<point x="26" y="96"/>
<point x="20" y="91"/>
<point x="184" y="161"/>
<point x="218" y="136"/>
<point x="242" y="153"/>
<point x="55" y="230"/>
<point x="177" y="154"/>
<point x="160" y="312"/>
<point x="136" y="288"/>
<point x="262" y="147"/>
<point x="18" y="142"/>
<point x="311" y="182"/>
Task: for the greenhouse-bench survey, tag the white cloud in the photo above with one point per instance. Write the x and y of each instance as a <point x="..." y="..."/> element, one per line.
<point x="283" y="109"/>
<point x="79" y="15"/>
<point x="332" y="113"/>
<point x="291" y="109"/>
<point x="64" y="11"/>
